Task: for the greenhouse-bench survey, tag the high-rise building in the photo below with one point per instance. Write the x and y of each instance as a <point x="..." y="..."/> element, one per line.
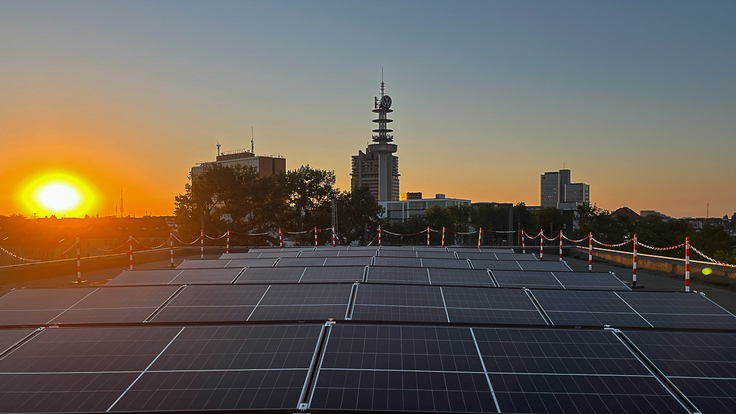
<point x="378" y="168"/>
<point x="557" y="190"/>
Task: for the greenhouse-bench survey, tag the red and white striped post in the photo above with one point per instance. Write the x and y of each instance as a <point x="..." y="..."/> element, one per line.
<point x="541" y="244"/>
<point x="480" y="236"/>
<point x="427" y="236"/>
<point x="171" y="246"/>
<point x="333" y="236"/>
<point x="379" y="235"/>
<point x="130" y="251"/>
<point x="687" y="264"/>
<point x="636" y="246"/>
<point x="315" y="236"/>
<point x="443" y="237"/>
<point x="227" y="248"/>
<point x="523" y="241"/>
<point x="560" y="245"/>
<point x="590" y="251"/>
<point x="201" y="244"/>
<point x="281" y="239"/>
<point x="79" y="262"/>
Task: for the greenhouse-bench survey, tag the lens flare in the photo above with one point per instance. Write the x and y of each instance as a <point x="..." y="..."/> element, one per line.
<point x="58" y="194"/>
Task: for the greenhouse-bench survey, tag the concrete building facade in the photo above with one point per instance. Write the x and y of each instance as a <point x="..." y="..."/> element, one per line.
<point x="398" y="211"/>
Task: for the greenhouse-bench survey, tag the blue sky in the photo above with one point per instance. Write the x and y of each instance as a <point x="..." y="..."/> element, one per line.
<point x="636" y="98"/>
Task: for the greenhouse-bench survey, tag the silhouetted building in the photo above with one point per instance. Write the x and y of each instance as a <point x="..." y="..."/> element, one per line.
<point x="556" y="190"/>
<point x="265" y="165"/>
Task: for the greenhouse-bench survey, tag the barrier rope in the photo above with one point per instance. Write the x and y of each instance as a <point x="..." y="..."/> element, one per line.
<point x="552" y="239"/>
<point x="374" y="239"/>
<point x="538" y="235"/>
<point x="125" y="243"/>
<point x="710" y="258"/>
<point x="661" y="248"/>
<point x="462" y="233"/>
<point x="613" y="245"/>
<point x="149" y="247"/>
<point x="575" y="241"/>
<point x="399" y="234"/>
<point x="216" y="238"/>
<point x="188" y="244"/>
<point x="11" y="254"/>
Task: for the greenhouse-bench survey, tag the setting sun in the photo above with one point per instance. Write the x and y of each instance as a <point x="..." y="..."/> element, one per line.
<point x="58" y="193"/>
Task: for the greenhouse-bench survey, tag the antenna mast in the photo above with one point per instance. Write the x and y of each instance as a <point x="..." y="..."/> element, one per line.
<point x="121" y="203"/>
<point x="252" y="146"/>
<point x="218" y="147"/>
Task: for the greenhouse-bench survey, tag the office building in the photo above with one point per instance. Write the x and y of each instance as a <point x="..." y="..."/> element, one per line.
<point x="265" y="165"/>
<point x="397" y="211"/>
<point x="557" y="190"/>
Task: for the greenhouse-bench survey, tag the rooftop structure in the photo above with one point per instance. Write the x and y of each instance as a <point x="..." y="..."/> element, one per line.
<point x="265" y="165"/>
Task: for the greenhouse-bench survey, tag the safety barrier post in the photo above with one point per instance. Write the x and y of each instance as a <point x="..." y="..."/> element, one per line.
<point x="379" y="235"/>
<point x="171" y="246"/>
<point x="227" y="248"/>
<point x="201" y="244"/>
<point x="687" y="264"/>
<point x="333" y="236"/>
<point x="281" y="239"/>
<point x="560" y="245"/>
<point x="523" y="241"/>
<point x="636" y="245"/>
<point x="315" y="236"/>
<point x="79" y="262"/>
<point x="480" y="236"/>
<point x="541" y="244"/>
<point x="590" y="251"/>
<point x="130" y="251"/>
<point x="427" y="236"/>
<point x="443" y="237"/>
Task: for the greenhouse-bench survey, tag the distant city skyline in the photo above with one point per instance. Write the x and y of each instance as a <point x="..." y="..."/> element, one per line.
<point x="637" y="98"/>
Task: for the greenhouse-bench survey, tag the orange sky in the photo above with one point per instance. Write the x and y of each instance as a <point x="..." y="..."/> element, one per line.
<point x="127" y="96"/>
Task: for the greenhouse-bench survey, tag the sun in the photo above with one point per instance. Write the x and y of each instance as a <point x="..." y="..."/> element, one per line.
<point x="58" y="194"/>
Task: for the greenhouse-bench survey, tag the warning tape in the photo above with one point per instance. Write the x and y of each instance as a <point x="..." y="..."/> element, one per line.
<point x="574" y="241"/>
<point x="547" y="238"/>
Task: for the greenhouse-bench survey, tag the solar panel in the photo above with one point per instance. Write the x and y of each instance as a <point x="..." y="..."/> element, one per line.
<point x="301" y="262"/>
<point x="569" y="371"/>
<point x="260" y="255"/>
<point x="37" y="306"/>
<point x="320" y="253"/>
<point x="460" y="277"/>
<point x="77" y="370"/>
<point x="514" y="256"/>
<point x="396" y="262"/>
<point x="499" y="250"/>
<point x="679" y="310"/>
<point x="701" y="365"/>
<point x="303" y="302"/>
<point x="398" y="275"/>
<point x="333" y="274"/>
<point x="397" y="253"/>
<point x="473" y="305"/>
<point x="495" y="264"/>
<point x="144" y="277"/>
<point x="287" y="252"/>
<point x="358" y="253"/>
<point x="204" y="264"/>
<point x="251" y="263"/>
<point x="445" y="263"/>
<point x="433" y="254"/>
<point x="588" y="308"/>
<point x="544" y="266"/>
<point x="270" y="275"/>
<point x="117" y="305"/>
<point x="348" y="261"/>
<point x="212" y="304"/>
<point x="214" y="276"/>
<point x="507" y="278"/>
<point x="591" y="281"/>
<point x="399" y="303"/>
<point x="427" y="369"/>
<point x="10" y="337"/>
<point x="475" y="255"/>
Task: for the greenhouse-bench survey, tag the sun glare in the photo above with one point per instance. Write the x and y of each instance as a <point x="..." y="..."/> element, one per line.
<point x="58" y="194"/>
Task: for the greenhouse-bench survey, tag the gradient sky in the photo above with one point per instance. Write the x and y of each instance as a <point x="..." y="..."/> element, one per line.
<point x="638" y="99"/>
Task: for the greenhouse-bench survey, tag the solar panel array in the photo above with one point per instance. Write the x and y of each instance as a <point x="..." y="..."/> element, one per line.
<point x="366" y="329"/>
